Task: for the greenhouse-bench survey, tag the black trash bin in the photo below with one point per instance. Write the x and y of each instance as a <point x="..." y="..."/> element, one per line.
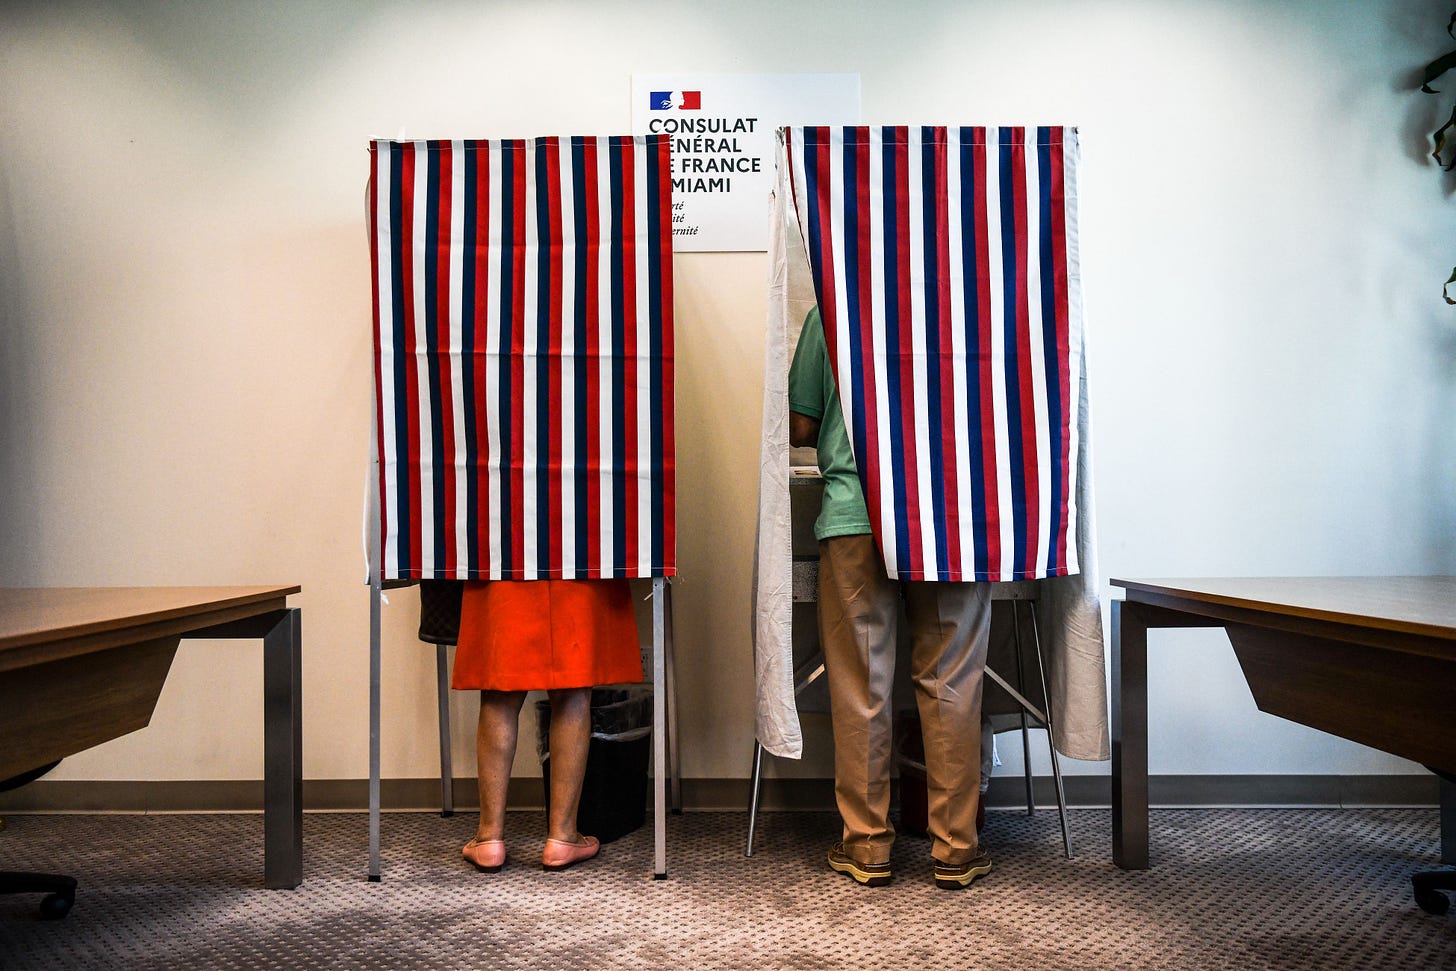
<point x="909" y="753"/>
<point x="614" y="792"/>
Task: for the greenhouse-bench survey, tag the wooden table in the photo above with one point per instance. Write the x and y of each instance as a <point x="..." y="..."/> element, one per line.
<point x="80" y="666"/>
<point x="1372" y="659"/>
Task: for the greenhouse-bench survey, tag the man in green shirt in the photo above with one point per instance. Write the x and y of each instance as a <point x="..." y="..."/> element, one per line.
<point x="858" y="615"/>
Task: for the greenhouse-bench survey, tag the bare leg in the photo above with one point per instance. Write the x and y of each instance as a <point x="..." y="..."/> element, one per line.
<point x="495" y="751"/>
<point x="570" y="737"/>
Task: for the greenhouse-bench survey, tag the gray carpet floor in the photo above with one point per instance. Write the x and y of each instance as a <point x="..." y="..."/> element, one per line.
<point x="1316" y="889"/>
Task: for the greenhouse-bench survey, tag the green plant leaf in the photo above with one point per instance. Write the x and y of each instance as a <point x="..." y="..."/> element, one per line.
<point x="1437" y="68"/>
<point x="1439" y="136"/>
<point x="1446" y="287"/>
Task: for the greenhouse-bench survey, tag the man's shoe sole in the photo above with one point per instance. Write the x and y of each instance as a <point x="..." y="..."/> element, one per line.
<point x="866" y="877"/>
<point x="960" y="881"/>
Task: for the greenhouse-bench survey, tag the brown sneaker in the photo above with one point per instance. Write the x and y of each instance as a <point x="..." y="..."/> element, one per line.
<point x="869" y="874"/>
<point x="958" y="876"/>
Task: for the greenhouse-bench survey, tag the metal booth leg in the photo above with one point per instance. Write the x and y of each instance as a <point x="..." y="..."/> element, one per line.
<point x="1025" y="733"/>
<point x="674" y="754"/>
<point x="753" y="796"/>
<point x="1044" y="718"/>
<point x="447" y="771"/>
<point x="809" y="672"/>
<point x="1051" y="737"/>
<point x="376" y="592"/>
<point x="374" y="664"/>
<point x="659" y="717"/>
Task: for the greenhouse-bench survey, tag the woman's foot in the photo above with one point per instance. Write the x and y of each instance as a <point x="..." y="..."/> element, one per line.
<point x="487" y="856"/>
<point x="560" y="854"/>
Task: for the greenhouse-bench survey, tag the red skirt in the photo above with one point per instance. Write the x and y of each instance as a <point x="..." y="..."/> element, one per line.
<point x="523" y="635"/>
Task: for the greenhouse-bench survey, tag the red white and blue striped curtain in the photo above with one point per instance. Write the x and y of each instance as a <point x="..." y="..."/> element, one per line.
<point x="523" y="355"/>
<point x="945" y="265"/>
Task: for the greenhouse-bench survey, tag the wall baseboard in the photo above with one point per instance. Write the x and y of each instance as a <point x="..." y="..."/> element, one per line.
<point x="1007" y="792"/>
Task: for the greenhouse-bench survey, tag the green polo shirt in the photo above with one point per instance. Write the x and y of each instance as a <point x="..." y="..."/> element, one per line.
<point x="812" y="392"/>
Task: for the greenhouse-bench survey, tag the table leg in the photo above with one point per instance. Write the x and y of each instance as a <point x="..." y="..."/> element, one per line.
<point x="1448" y="820"/>
<point x="283" y="753"/>
<point x="1129" y="737"/>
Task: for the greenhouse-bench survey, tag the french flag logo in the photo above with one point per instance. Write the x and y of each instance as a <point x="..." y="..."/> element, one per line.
<point x="682" y="100"/>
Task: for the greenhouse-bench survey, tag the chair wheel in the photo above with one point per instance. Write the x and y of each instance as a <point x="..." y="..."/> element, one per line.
<point x="1432" y="902"/>
<point x="1427" y="887"/>
<point x="57" y="905"/>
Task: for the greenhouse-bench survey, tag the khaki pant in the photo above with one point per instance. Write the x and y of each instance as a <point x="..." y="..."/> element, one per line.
<point x="949" y="630"/>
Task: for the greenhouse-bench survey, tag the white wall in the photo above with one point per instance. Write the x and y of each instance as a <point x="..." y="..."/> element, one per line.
<point x="184" y="315"/>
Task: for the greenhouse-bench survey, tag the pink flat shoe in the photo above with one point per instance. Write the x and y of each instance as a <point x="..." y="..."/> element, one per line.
<point x="560" y="854"/>
<point x="487" y="856"/>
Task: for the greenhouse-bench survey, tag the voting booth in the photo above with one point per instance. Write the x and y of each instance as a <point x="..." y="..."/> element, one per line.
<point x="944" y="261"/>
<point x="523" y="378"/>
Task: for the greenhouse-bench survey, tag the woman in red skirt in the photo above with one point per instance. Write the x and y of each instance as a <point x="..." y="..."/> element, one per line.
<point x="563" y="636"/>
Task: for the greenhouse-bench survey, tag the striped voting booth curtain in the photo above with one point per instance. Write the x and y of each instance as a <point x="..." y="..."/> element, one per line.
<point x="523" y="357"/>
<point x="945" y="265"/>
